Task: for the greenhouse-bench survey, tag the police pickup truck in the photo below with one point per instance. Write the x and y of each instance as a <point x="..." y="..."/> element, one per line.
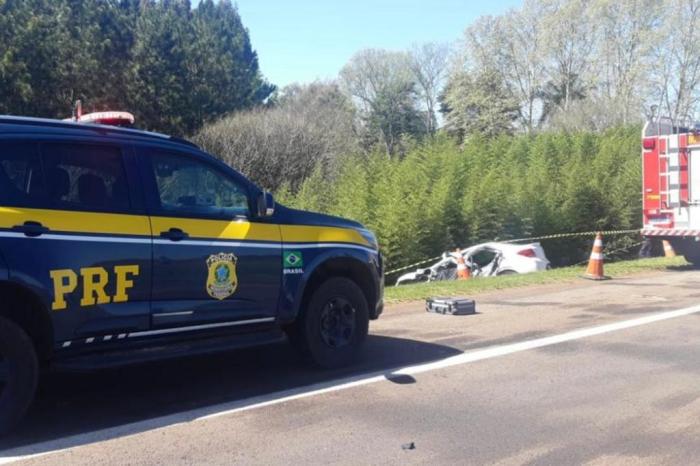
<point x="120" y="246"/>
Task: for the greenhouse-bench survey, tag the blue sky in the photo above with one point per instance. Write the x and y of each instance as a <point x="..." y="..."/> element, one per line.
<point x="302" y="40"/>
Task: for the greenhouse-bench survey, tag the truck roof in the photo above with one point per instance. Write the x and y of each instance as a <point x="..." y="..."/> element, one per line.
<point x="665" y="127"/>
<point x="44" y="125"/>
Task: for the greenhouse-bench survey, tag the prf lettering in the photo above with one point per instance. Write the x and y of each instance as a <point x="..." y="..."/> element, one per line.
<point x="94" y="281"/>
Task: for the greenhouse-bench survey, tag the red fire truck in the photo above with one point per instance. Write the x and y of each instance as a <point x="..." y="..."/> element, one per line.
<point x="671" y="185"/>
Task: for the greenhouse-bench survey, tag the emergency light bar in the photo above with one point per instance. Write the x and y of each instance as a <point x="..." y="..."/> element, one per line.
<point x="108" y="118"/>
<point x="101" y="118"/>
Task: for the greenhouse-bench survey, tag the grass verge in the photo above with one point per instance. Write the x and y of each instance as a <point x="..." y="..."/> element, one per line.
<point x="395" y="294"/>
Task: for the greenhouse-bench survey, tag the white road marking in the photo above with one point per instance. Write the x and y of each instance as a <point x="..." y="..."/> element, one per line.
<point x="226" y="409"/>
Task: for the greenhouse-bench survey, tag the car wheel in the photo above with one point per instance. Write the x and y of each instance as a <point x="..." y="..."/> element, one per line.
<point x="507" y="272"/>
<point x="334" y="325"/>
<point x="19" y="372"/>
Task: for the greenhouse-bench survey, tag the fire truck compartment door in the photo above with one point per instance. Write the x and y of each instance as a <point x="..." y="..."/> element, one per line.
<point x="694" y="177"/>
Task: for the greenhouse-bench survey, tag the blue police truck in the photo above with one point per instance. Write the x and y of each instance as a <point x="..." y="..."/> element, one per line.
<point x="120" y="246"/>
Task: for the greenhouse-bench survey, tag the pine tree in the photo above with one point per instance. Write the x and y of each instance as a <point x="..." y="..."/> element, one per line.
<point x="158" y="86"/>
<point x="222" y="65"/>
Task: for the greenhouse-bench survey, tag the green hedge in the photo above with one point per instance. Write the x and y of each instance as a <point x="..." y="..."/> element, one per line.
<point x="441" y="196"/>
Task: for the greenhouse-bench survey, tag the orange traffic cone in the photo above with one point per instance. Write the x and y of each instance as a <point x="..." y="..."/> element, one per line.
<point x="595" y="263"/>
<point x="462" y="269"/>
<point x="668" y="249"/>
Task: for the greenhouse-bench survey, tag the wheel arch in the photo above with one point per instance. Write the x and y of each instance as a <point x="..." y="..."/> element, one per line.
<point x="346" y="266"/>
<point x="26" y="309"/>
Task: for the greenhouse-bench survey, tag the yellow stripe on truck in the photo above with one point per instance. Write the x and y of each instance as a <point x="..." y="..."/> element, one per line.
<point x="319" y="234"/>
<point x="77" y="222"/>
<point x="251" y="231"/>
<point x="138" y="225"/>
<point x="218" y="229"/>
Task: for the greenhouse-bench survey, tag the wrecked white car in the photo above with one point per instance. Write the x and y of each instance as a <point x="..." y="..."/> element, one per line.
<point x="483" y="260"/>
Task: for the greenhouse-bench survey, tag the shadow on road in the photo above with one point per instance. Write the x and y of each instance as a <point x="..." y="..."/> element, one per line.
<point x="163" y="393"/>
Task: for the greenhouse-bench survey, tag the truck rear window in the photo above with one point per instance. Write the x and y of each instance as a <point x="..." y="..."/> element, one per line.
<point x="64" y="176"/>
<point x="85" y="177"/>
<point x="21" y="178"/>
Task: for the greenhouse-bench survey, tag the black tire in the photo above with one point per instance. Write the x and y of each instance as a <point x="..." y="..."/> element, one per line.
<point x="333" y="327"/>
<point x="693" y="259"/>
<point x="19" y="368"/>
<point x="688" y="248"/>
<point x="690" y="252"/>
<point x="507" y="272"/>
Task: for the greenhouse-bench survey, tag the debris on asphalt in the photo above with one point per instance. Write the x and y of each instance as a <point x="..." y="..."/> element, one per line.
<point x="409" y="446"/>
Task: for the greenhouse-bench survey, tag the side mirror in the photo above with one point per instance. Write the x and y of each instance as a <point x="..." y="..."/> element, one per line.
<point x="265" y="205"/>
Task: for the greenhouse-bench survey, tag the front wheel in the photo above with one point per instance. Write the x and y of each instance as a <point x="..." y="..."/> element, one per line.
<point x="332" y="329"/>
<point x="19" y="372"/>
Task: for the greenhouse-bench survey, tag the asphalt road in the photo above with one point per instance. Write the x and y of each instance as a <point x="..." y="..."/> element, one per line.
<point x="583" y="373"/>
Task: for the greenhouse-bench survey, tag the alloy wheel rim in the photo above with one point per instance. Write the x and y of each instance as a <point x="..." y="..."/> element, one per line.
<point x="337" y="322"/>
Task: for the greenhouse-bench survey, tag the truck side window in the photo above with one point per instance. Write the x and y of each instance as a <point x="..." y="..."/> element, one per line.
<point x="85" y="177"/>
<point x="21" y="177"/>
<point x="189" y="187"/>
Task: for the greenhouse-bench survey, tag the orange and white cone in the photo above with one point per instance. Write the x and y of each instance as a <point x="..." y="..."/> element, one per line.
<point x="595" y="263"/>
<point x="668" y="249"/>
<point x="463" y="272"/>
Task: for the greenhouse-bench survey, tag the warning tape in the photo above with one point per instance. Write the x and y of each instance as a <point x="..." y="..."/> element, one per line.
<point x="410" y="266"/>
<point x="614" y="251"/>
<point x="536" y="238"/>
<point x="574" y="235"/>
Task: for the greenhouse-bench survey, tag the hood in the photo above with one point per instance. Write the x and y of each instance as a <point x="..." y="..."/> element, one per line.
<point x="289" y="216"/>
<point x="303" y="217"/>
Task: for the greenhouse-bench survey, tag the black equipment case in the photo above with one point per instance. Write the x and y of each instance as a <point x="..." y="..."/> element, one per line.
<point x="452" y="306"/>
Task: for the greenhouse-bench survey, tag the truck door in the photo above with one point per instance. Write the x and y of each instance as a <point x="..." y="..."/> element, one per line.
<point x="72" y="230"/>
<point x="214" y="265"/>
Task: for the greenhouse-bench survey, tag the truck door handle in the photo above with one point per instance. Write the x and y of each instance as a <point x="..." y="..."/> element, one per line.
<point x="174" y="234"/>
<point x="31" y="228"/>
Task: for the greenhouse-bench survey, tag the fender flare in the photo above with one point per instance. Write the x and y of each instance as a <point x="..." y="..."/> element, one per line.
<point x="338" y="262"/>
<point x="34" y="317"/>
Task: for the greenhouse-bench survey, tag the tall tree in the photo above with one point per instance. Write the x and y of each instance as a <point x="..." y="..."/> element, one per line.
<point x="159" y="84"/>
<point x="32" y="44"/>
<point x="173" y="68"/>
<point x="512" y="44"/>
<point x="428" y="63"/>
<point x="677" y="60"/>
<point x="384" y="88"/>
<point x="478" y="104"/>
<point x="627" y="31"/>
<point x="222" y="65"/>
<point x="569" y="32"/>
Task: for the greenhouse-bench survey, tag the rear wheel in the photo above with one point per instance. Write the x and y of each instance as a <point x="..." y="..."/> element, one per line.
<point x="694" y="259"/>
<point x="691" y="252"/>
<point x="332" y="329"/>
<point x="689" y="248"/>
<point x="19" y="371"/>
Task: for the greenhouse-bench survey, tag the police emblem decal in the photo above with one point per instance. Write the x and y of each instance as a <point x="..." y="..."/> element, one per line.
<point x="221" y="279"/>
